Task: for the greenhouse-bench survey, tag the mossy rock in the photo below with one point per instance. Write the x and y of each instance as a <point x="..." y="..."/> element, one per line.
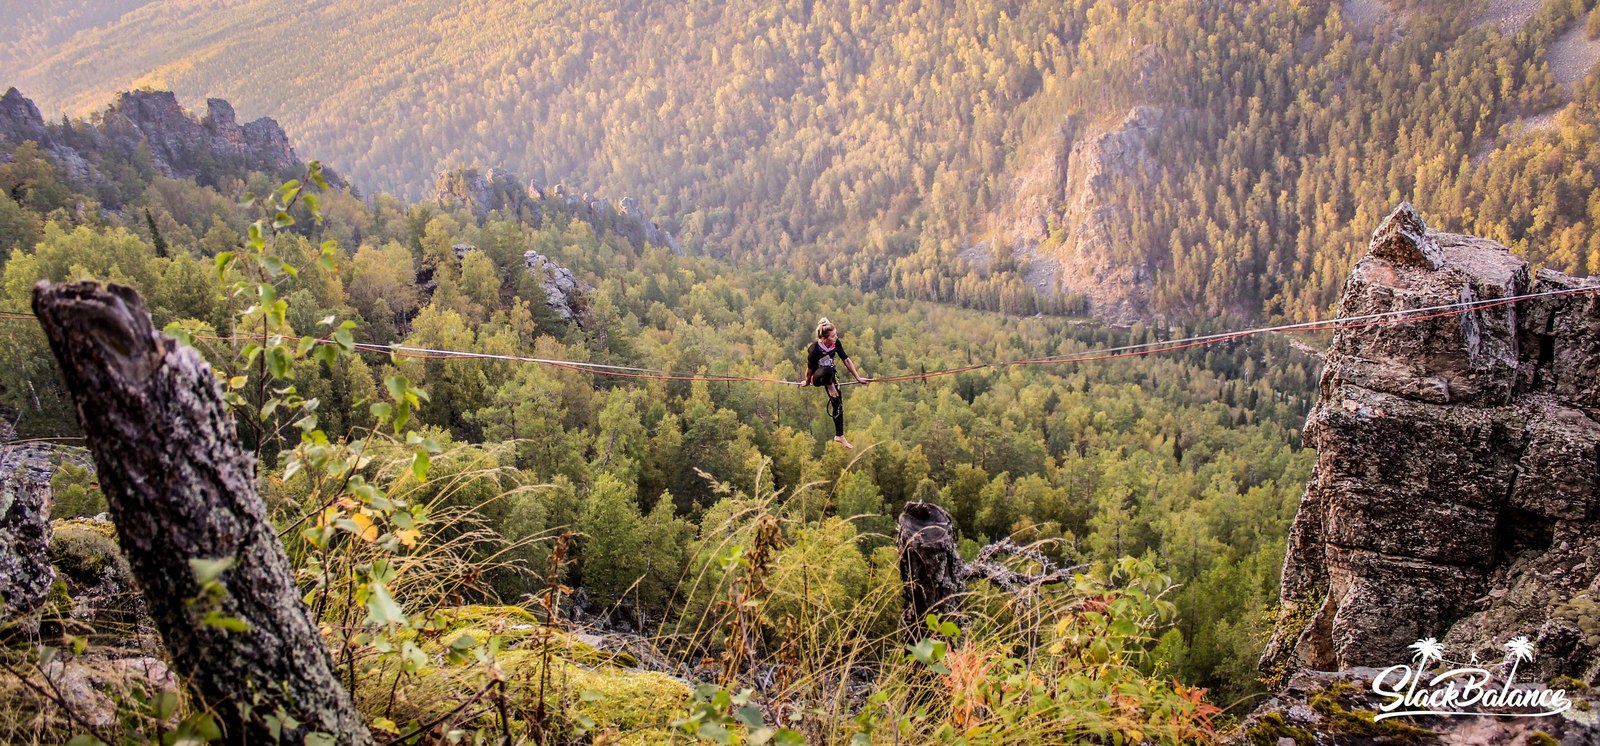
<point x="629" y="700"/>
<point x="1272" y="728"/>
<point x="1343" y="721"/>
<point x="82" y="551"/>
<point x="1573" y="686"/>
<point x="631" y="706"/>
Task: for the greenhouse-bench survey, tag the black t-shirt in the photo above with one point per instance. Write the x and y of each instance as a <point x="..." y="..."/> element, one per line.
<point x="819" y="362"/>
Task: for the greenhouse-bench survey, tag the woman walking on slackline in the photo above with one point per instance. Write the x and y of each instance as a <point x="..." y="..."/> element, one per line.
<point x="820" y="372"/>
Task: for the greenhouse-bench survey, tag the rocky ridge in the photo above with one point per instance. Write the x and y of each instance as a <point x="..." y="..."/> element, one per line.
<point x="498" y="190"/>
<point x="148" y="129"/>
<point x="1458" y="471"/>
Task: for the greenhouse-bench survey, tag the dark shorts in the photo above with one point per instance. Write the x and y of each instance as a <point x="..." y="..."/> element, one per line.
<point x="823" y="377"/>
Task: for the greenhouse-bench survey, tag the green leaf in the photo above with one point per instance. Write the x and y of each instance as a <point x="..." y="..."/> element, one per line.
<point x="248" y="201"/>
<point x="84" y="739"/>
<point x="207" y="570"/>
<point x="217" y="620"/>
<point x="381" y="606"/>
<point x="714" y="732"/>
<point x="787" y="737"/>
<point x="178" y="332"/>
<point x="419" y="464"/>
<point x="166" y="704"/>
<point x="279" y="362"/>
<point x="750" y="715"/>
<point x="321" y="739"/>
<point x="282" y="220"/>
<point x="589" y="695"/>
<point x="413" y="659"/>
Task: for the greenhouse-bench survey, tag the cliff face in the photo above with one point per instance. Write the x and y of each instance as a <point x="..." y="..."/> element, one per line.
<point x="500" y="190"/>
<point x="1458" y="467"/>
<point x="1062" y="219"/>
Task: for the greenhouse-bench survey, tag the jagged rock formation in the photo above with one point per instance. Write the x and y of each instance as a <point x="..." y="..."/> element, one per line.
<point x="1458" y="472"/>
<point x="499" y="190"/>
<point x="178" y="143"/>
<point x="566" y="295"/>
<point x="1061" y="217"/>
<point x="148" y="129"/>
<point x="490" y="191"/>
<point x="25" y="571"/>
<point x="1458" y="467"/>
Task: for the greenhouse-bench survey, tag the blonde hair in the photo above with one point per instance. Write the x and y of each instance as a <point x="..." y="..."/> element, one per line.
<point x="823" y="327"/>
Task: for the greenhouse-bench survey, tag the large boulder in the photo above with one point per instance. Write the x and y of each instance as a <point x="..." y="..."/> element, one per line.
<point x="1458" y="466"/>
<point x="565" y="294"/>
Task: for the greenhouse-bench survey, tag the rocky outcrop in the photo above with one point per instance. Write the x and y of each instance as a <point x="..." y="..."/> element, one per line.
<point x="149" y="130"/>
<point x="1458" y="467"/>
<point x="1062" y="218"/>
<point x="566" y="295"/>
<point x="497" y="190"/>
<point x="490" y="191"/>
<point x="25" y="572"/>
<point x="181" y="147"/>
<point x="19" y="118"/>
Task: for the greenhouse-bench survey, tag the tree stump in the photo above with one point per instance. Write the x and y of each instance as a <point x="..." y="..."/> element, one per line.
<point x="181" y="488"/>
<point x="930" y="569"/>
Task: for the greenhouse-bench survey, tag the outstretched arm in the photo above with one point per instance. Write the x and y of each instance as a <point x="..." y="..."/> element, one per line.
<point x="852" y="365"/>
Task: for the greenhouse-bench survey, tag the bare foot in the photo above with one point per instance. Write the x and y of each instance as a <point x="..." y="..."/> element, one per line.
<point x="841" y="441"/>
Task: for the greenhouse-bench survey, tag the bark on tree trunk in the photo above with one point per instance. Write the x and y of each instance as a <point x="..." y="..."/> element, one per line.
<point x="181" y="488"/>
<point x="930" y="568"/>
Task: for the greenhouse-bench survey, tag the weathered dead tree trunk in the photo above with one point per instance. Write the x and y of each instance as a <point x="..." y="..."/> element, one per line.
<point x="934" y="578"/>
<point x="930" y="569"/>
<point x="181" y="488"/>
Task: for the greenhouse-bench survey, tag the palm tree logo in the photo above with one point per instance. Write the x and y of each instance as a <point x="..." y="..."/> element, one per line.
<point x="1427" y="648"/>
<point x="1518" y="649"/>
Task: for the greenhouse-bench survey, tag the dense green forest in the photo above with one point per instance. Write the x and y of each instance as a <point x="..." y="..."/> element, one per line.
<point x="840" y="160"/>
<point x="871" y="144"/>
<point x="1190" y="460"/>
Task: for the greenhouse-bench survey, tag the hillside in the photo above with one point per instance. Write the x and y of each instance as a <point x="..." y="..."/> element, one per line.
<point x="891" y="146"/>
<point x="1189" y="457"/>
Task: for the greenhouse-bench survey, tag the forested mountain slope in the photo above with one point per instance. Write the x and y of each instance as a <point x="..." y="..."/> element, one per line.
<point x="1190" y="458"/>
<point x="930" y="148"/>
